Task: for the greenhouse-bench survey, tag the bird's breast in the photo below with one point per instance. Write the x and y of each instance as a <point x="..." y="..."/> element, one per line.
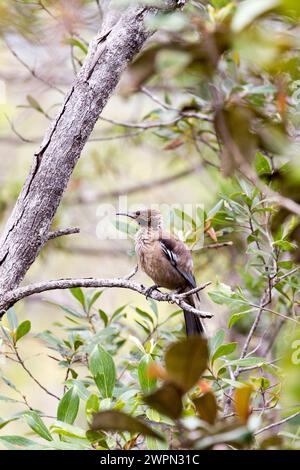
<point x="154" y="263"/>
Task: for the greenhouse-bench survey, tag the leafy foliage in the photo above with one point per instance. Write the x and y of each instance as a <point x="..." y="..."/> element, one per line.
<point x="225" y="76"/>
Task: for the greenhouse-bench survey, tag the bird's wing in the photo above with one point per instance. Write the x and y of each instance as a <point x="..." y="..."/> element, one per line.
<point x="180" y="258"/>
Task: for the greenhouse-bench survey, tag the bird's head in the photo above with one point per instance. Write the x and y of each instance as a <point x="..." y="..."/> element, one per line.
<point x="145" y="217"/>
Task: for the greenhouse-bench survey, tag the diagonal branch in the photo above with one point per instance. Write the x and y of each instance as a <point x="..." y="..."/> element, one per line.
<point x="143" y="186"/>
<point x="277" y="423"/>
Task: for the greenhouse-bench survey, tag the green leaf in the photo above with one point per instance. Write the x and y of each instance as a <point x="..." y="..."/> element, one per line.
<point x="17" y="442"/>
<point x="12" y="319"/>
<point x="68" y="407"/>
<point x="94" y="299"/>
<point x="215" y="209"/>
<point x="224" y="295"/>
<point x="285" y="245"/>
<point x="65" y="429"/>
<point x="224" y="350"/>
<point x="185" y="217"/>
<point x="77" y="292"/>
<point x="80" y="388"/>
<point x="262" y="165"/>
<point x="92" y="404"/>
<point x="147" y="383"/>
<point x="186" y="361"/>
<point x="145" y="315"/>
<point x="236" y="317"/>
<point x="102" y="367"/>
<point x="23" y="329"/>
<point x="72" y="312"/>
<point x="9" y="383"/>
<point x="76" y="43"/>
<point x="35" y="422"/>
<point x="14" y="417"/>
<point x="34" y="104"/>
<point x="114" y="420"/>
<point x="216" y="340"/>
<point x="117" y="313"/>
<point x="146" y="329"/>
<point x="7" y="399"/>
<point x="98" y="438"/>
<point x="103" y="316"/>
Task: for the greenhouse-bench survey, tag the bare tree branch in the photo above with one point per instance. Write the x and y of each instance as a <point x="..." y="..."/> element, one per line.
<point x="12" y="297"/>
<point x="63" y="232"/>
<point x="143" y="186"/>
<point x="32" y="71"/>
<point x="278" y="423"/>
<point x="143" y="125"/>
<point x="215" y="246"/>
<point x="193" y="291"/>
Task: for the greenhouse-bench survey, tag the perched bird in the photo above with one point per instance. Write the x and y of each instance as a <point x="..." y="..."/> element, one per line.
<point x="166" y="260"/>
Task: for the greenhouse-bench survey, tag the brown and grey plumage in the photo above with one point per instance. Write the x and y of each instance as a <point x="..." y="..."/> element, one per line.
<point x="166" y="260"/>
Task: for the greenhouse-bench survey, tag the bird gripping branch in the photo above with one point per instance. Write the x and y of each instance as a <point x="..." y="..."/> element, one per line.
<point x="166" y="260"/>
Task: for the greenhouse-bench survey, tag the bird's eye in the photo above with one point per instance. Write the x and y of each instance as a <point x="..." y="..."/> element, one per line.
<point x="138" y="213"/>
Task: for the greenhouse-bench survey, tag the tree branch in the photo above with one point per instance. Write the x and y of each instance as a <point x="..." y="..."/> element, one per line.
<point x="32" y="71"/>
<point x="143" y="186"/>
<point x="63" y="232"/>
<point x="278" y="423"/>
<point x="12" y="297"/>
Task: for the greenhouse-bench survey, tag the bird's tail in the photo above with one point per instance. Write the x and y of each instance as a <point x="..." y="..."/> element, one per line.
<point x="193" y="324"/>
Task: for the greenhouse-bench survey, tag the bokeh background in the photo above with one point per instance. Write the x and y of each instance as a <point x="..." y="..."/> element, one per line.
<point x="43" y="44"/>
<point x="105" y="166"/>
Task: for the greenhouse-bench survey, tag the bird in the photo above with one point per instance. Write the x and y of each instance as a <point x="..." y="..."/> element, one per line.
<point x="166" y="260"/>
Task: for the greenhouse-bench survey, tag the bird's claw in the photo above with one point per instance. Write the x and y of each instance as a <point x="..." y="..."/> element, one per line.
<point x="150" y="290"/>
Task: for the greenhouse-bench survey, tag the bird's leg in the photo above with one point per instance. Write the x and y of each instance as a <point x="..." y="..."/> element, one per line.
<point x="150" y="290"/>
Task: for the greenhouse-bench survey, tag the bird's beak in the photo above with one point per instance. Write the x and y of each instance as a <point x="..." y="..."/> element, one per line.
<point x="132" y="215"/>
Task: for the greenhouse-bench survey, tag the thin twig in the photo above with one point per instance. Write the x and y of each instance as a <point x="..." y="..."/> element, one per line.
<point x="184" y="114"/>
<point x="17" y="133"/>
<point x="193" y="291"/>
<point x="32" y="71"/>
<point x="284" y="276"/>
<point x="213" y="246"/>
<point x="142" y="125"/>
<point x="21" y="362"/>
<point x="63" y="232"/>
<point x="275" y="313"/>
<point x="143" y="186"/>
<point x="278" y="423"/>
<point x="116" y="137"/>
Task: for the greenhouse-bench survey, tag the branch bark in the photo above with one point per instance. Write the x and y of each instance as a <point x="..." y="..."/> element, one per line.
<point x="27" y="230"/>
<point x="12" y="297"/>
<point x="63" y="232"/>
